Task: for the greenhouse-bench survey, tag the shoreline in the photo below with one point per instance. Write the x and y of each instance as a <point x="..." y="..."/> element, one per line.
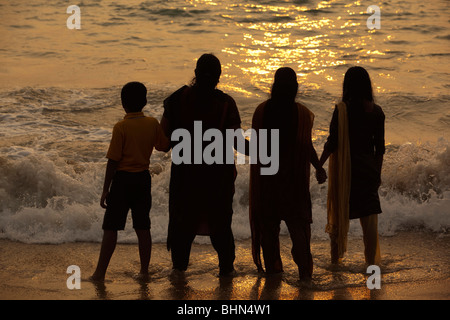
<point x="415" y="267"/>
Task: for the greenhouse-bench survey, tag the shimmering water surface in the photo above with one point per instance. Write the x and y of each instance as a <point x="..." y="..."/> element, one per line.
<point x="59" y="97"/>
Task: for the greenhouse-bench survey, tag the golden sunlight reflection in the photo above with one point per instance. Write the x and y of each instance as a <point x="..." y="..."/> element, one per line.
<point x="289" y="38"/>
<point x="305" y="38"/>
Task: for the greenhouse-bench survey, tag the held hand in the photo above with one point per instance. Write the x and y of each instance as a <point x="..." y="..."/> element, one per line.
<point x="103" y="199"/>
<point x="321" y="175"/>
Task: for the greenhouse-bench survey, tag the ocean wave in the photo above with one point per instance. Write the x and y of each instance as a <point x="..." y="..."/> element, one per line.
<point x="48" y="199"/>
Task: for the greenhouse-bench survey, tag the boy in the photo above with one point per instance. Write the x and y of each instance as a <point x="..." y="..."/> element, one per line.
<point x="127" y="179"/>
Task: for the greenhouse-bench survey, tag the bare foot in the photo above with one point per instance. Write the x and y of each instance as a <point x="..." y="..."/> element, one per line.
<point x="142" y="277"/>
<point x="96" y="278"/>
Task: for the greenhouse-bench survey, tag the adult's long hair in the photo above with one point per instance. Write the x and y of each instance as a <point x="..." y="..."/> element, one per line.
<point x="285" y="86"/>
<point x="207" y="72"/>
<point x="280" y="111"/>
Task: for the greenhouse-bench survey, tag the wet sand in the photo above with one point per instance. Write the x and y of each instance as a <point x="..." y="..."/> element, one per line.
<point x="415" y="266"/>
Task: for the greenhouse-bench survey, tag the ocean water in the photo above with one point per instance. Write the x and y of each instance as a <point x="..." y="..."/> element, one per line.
<point x="60" y="97"/>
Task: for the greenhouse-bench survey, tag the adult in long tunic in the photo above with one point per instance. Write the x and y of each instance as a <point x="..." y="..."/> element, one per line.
<point x="201" y="195"/>
<point x="284" y="195"/>
<point x="356" y="145"/>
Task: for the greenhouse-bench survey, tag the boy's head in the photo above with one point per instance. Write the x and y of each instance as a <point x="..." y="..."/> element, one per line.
<point x="134" y="96"/>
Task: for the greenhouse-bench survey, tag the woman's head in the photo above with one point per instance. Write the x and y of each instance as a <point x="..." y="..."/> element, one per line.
<point x="357" y="86"/>
<point x="207" y="71"/>
<point x="285" y="85"/>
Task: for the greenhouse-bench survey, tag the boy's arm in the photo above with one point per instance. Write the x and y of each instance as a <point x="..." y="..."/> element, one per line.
<point x="164" y="144"/>
<point x="111" y="169"/>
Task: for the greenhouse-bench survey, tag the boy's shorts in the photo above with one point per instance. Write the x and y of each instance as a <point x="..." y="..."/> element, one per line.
<point x="129" y="190"/>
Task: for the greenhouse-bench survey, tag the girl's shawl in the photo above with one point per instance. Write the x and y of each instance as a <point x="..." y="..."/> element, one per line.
<point x="339" y="179"/>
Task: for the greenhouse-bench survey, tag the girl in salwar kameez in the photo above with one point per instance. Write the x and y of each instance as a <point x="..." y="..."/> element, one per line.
<point x="355" y="147"/>
<point x="284" y="195"/>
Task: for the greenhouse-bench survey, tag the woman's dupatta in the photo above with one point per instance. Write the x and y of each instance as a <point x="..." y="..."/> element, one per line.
<point x="339" y="180"/>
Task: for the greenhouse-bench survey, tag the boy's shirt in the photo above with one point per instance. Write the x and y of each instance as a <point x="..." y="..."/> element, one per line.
<point x="133" y="140"/>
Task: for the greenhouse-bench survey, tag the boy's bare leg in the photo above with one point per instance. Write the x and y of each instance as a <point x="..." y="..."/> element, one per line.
<point x="108" y="246"/>
<point x="145" y="249"/>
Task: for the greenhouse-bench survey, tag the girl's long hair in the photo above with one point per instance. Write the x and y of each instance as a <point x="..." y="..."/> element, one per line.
<point x="357" y="87"/>
<point x="285" y="86"/>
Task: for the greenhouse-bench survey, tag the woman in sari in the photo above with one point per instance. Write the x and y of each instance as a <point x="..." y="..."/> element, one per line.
<point x="284" y="195"/>
<point x="355" y="146"/>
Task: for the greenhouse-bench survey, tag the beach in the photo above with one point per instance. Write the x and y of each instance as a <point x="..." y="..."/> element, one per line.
<point x="415" y="266"/>
<point x="60" y="98"/>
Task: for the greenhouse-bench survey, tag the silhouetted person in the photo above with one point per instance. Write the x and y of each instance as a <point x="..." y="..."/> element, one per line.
<point x="285" y="195"/>
<point x="201" y="195"/>
<point x="356" y="145"/>
<point x="127" y="180"/>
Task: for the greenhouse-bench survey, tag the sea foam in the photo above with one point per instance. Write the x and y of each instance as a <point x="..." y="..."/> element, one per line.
<point x="47" y="199"/>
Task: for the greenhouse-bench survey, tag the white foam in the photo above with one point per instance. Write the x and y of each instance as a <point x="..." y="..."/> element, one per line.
<point x="45" y="199"/>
